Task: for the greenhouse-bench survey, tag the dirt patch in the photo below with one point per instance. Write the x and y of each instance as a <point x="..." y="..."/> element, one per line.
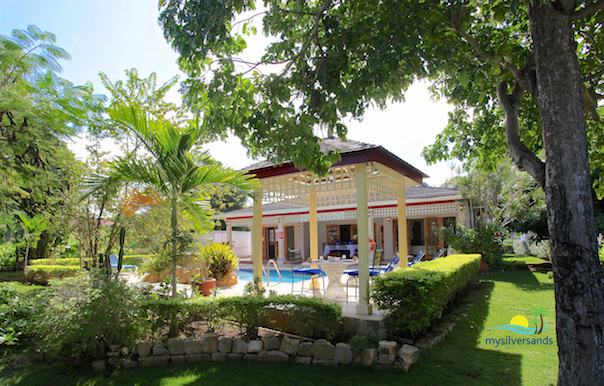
<point x="541" y="267"/>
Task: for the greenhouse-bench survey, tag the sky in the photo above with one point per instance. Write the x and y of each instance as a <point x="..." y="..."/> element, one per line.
<point x="111" y="36"/>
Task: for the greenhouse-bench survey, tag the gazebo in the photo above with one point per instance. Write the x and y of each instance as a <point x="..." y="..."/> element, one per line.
<point x="366" y="174"/>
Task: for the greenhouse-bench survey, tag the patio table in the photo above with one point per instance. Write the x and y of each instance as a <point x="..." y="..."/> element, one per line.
<point x="333" y="270"/>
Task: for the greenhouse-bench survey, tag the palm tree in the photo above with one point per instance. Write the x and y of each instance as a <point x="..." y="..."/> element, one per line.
<point x="539" y="312"/>
<point x="171" y="170"/>
<point x="32" y="228"/>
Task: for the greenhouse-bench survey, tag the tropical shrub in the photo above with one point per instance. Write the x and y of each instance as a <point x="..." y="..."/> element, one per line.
<point x="15" y="316"/>
<point x="42" y="274"/>
<point x="219" y="258"/>
<point x="485" y="239"/>
<point x="8" y="256"/>
<point x="86" y="312"/>
<point x="521" y="247"/>
<point x="415" y="297"/>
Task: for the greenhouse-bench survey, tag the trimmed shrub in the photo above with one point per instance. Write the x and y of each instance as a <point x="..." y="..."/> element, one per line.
<point x="43" y="273"/>
<point x="486" y="239"/>
<point x="415" y="297"/>
<point x="71" y="261"/>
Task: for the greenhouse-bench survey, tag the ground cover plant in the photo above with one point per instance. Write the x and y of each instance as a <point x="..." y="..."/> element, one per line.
<point x="462" y="358"/>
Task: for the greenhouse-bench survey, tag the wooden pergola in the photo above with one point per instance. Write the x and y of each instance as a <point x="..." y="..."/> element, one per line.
<point x="366" y="173"/>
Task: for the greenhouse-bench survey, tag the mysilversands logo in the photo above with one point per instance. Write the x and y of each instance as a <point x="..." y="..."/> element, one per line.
<point x="521" y="325"/>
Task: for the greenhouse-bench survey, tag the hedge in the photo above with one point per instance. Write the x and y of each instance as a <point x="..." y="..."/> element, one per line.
<point x="69" y="261"/>
<point x="43" y="273"/>
<point x="308" y="317"/>
<point x="415" y="297"/>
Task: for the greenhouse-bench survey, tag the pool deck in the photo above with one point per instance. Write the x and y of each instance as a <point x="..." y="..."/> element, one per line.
<point x="348" y="307"/>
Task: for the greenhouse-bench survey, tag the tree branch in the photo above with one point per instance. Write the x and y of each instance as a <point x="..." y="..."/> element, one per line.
<point x="521" y="154"/>
<point x="581" y="13"/>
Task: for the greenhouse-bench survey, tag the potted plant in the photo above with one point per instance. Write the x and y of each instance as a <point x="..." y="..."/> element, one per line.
<point x="201" y="280"/>
<point x="221" y="262"/>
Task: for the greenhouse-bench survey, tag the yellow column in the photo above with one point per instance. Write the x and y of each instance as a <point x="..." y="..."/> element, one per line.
<point x="363" y="308"/>
<point x="403" y="249"/>
<point x="257" y="235"/>
<point x="314" y="236"/>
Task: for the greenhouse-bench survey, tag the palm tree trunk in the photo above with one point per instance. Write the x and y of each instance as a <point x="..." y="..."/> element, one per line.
<point x="25" y="263"/>
<point x="174" y="243"/>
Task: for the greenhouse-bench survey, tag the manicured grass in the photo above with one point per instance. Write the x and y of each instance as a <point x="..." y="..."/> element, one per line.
<point x="14" y="278"/>
<point x="464" y="358"/>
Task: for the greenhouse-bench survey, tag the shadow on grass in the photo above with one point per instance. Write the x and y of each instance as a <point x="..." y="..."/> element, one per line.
<point x="519" y="277"/>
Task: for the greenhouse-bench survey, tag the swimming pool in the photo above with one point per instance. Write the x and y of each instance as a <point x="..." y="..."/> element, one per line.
<point x="286" y="274"/>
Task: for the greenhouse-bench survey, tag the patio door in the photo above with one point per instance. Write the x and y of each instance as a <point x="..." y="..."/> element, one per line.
<point x="270" y="244"/>
<point x="432" y="234"/>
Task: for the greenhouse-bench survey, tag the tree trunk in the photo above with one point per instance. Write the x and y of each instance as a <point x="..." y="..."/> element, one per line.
<point x="578" y="281"/>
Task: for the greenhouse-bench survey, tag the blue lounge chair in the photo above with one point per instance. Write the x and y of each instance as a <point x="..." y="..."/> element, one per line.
<point x="374" y="270"/>
<point x="113" y="260"/>
<point x="440" y="253"/>
<point x="417" y="258"/>
<point x="295" y="259"/>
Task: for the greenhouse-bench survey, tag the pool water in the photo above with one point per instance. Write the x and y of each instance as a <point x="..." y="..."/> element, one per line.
<point x="247" y="274"/>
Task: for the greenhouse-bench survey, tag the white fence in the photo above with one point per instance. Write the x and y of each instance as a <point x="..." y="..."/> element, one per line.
<point x="242" y="242"/>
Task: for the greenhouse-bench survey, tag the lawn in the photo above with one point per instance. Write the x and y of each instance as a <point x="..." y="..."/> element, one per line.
<point x="464" y="358"/>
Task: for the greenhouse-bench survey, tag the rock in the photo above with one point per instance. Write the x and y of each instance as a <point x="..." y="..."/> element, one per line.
<point x="409" y="354"/>
<point x="370" y="356"/>
<point x="130" y="364"/>
<point x="387" y="347"/>
<point x="386" y="359"/>
<point x="255" y="346"/>
<point x="114" y="347"/>
<point x="401" y="365"/>
<point x="225" y="345"/>
<point x="112" y="354"/>
<point x="322" y="349"/>
<point x="115" y="362"/>
<point x="143" y="348"/>
<point x="177" y="359"/>
<point x="161" y="360"/>
<point x="124" y="351"/>
<point x="240" y="346"/>
<point x="305" y="349"/>
<point x="209" y="342"/>
<point x="290" y="346"/>
<point x="192" y="358"/>
<point x="160" y="350"/>
<point x="273" y="356"/>
<point x="193" y="346"/>
<point x="428" y="341"/>
<point x="271" y="342"/>
<point x="325" y="362"/>
<point x="145" y="361"/>
<point x="250" y="357"/>
<point x="176" y="346"/>
<point x="343" y="354"/>
<point x="218" y="357"/>
<point x="99" y="366"/>
<point x="233" y="357"/>
<point x="303" y="360"/>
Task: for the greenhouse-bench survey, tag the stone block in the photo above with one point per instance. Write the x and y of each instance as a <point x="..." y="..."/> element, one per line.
<point x="401" y="365"/>
<point x="115" y="362"/>
<point x="303" y="360"/>
<point x="218" y="357"/>
<point x="409" y="354"/>
<point x="290" y="346"/>
<point x="386" y="359"/>
<point x="176" y="346"/>
<point x="112" y="354"/>
<point x="240" y="346"/>
<point x="387" y="347"/>
<point x="99" y="366"/>
<point x="305" y="349"/>
<point x="130" y="364"/>
<point x="271" y="342"/>
<point x="209" y="342"/>
<point x="143" y="348"/>
<point x="192" y="358"/>
<point x="145" y="361"/>
<point x="343" y="354"/>
<point x="325" y="362"/>
<point x="273" y="356"/>
<point x="193" y="347"/>
<point x="225" y="345"/>
<point x="370" y="357"/>
<point x="250" y="357"/>
<point x="160" y="350"/>
<point x="177" y="359"/>
<point x="322" y="349"/>
<point x="233" y="357"/>
<point x="427" y="341"/>
<point x="114" y="347"/>
<point x="161" y="360"/>
<point x="255" y="346"/>
<point x="124" y="351"/>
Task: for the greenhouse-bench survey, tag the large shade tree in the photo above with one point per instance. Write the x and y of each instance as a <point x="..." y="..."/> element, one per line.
<point x="171" y="172"/>
<point x="534" y="64"/>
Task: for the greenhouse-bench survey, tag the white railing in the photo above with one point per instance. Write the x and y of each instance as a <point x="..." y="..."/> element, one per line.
<point x="267" y="271"/>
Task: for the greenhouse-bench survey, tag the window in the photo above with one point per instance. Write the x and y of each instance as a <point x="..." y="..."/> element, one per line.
<point x="342" y="233"/>
<point x="416" y="232"/>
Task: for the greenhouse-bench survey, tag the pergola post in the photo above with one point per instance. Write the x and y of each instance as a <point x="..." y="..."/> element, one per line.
<point x="363" y="308"/>
<point x="314" y="236"/>
<point x="280" y="241"/>
<point x="257" y="235"/>
<point x="229" y="232"/>
<point x="403" y="249"/>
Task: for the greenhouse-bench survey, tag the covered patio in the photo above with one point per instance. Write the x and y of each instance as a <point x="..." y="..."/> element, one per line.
<point x="367" y="174"/>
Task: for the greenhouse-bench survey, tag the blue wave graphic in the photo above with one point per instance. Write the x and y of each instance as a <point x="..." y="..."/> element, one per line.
<point x="519" y="329"/>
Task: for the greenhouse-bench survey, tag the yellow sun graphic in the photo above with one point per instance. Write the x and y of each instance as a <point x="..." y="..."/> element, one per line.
<point x="519" y="320"/>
